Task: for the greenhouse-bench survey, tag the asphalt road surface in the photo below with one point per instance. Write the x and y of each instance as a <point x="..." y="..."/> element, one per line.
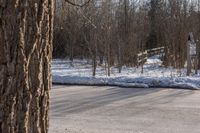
<point x="83" y="109"/>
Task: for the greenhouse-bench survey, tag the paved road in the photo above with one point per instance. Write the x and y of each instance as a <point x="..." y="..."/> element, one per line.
<point x="83" y="109"/>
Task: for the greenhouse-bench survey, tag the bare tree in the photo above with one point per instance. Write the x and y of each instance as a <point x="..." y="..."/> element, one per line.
<point x="124" y="28"/>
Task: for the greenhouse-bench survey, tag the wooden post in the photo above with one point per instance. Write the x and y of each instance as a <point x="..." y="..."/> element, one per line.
<point x="196" y="64"/>
<point x="197" y="57"/>
<point x="198" y="54"/>
<point x="142" y="71"/>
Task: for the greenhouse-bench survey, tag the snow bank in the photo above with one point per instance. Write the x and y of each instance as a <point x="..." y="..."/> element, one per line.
<point x="80" y="73"/>
<point x="140" y="82"/>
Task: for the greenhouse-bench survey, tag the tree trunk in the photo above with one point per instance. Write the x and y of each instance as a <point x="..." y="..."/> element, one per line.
<point x="119" y="58"/>
<point x="94" y="56"/>
<point x="26" y="28"/>
<point x="108" y="58"/>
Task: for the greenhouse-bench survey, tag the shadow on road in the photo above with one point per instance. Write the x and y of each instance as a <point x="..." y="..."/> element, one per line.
<point x="71" y="100"/>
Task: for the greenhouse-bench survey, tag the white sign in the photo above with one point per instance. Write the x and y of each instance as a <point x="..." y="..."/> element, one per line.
<point x="192" y="44"/>
<point x="193" y="48"/>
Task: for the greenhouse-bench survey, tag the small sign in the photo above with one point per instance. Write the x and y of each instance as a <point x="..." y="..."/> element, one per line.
<point x="192" y="45"/>
<point x="193" y="48"/>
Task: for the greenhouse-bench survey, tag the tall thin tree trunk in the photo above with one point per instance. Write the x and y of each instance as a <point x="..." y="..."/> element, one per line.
<point x="119" y="58"/>
<point x="94" y="56"/>
<point x="26" y="29"/>
<point x="108" y="58"/>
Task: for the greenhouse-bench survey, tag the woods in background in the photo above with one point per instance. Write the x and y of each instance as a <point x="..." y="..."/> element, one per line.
<point x="115" y="31"/>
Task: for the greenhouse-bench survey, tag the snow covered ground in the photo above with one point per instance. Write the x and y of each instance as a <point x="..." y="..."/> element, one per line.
<point x="80" y="73"/>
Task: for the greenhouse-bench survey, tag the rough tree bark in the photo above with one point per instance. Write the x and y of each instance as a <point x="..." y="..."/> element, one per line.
<point x="26" y="28"/>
